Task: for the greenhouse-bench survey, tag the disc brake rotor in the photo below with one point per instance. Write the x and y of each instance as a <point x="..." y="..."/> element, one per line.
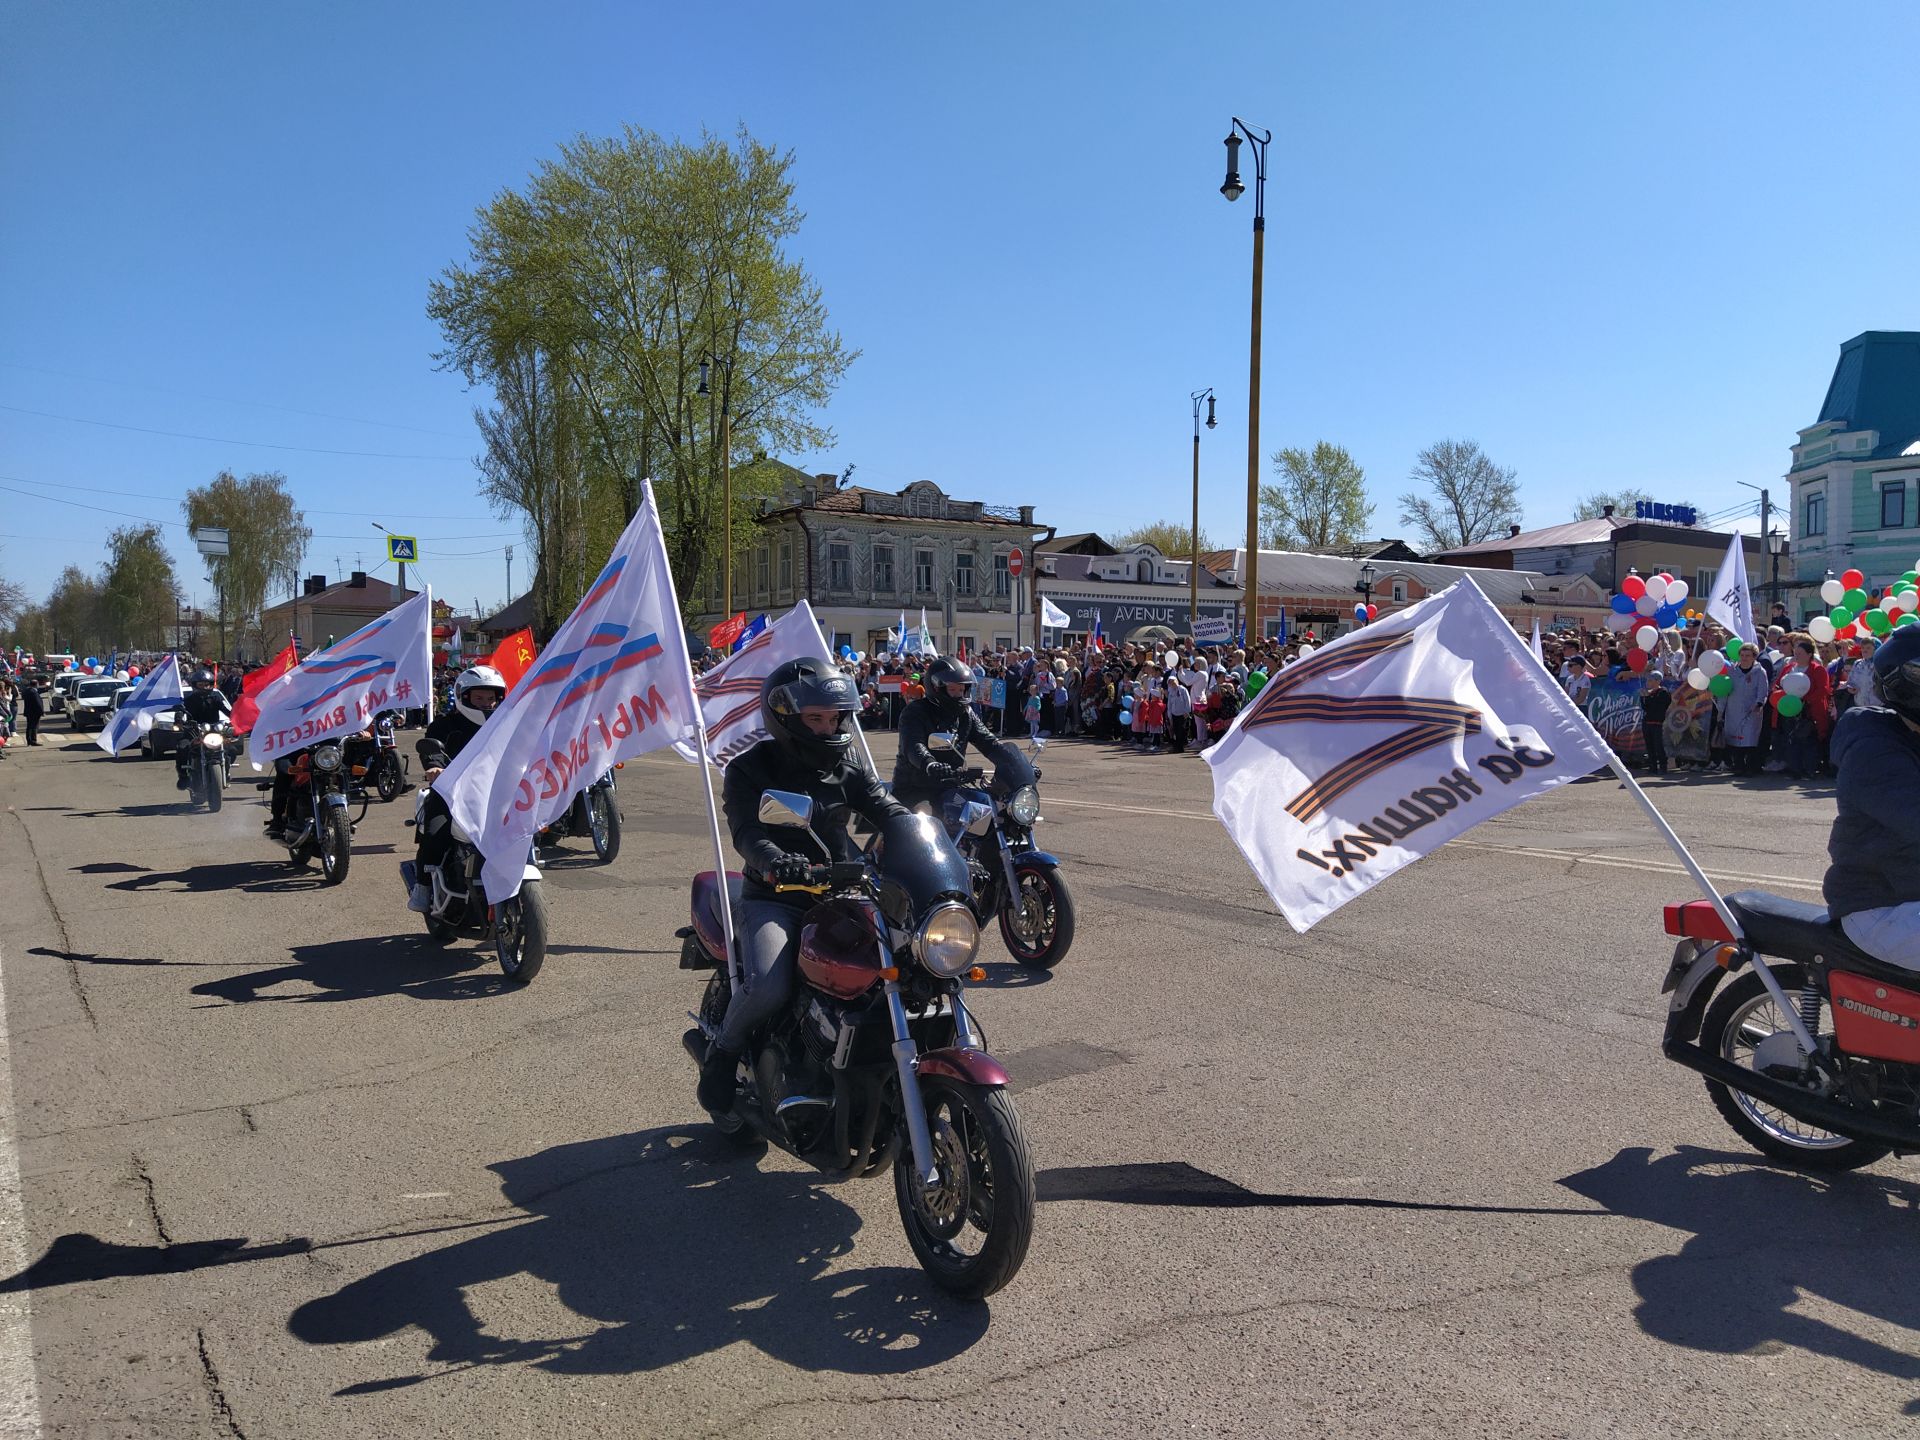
<point x="943" y="1205"/>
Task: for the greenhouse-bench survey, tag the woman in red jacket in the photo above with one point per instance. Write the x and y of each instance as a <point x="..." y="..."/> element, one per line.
<point x="1805" y="734"/>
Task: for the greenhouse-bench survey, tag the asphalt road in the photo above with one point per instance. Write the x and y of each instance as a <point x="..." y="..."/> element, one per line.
<point x="289" y="1171"/>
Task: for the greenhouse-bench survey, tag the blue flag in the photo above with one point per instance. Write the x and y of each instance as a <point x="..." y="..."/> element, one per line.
<point x="158" y="690"/>
<point x="759" y="624"/>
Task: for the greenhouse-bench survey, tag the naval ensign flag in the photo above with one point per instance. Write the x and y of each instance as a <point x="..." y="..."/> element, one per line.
<point x="1387" y="744"/>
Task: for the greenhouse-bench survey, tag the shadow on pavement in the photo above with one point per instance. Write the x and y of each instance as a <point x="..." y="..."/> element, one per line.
<point x="1174" y="1182"/>
<point x="256" y="877"/>
<point x="1761" y="1239"/>
<point x="366" y="969"/>
<point x="111" y="867"/>
<point x="78" y="958"/>
<point x="667" y="1244"/>
<point x="134" y="812"/>
<point x="1011" y="975"/>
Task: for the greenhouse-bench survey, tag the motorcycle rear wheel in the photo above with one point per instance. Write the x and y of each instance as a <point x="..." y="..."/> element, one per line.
<point x="1044" y="903"/>
<point x="520" y="934"/>
<point x="335" y="845"/>
<point x="388" y="780"/>
<point x="1741" y="1016"/>
<point x="971" y="1231"/>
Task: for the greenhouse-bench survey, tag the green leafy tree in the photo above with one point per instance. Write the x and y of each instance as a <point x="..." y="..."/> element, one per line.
<point x="30" y="630"/>
<point x="1169" y="537"/>
<point x="138" y="593"/>
<point x="1318" y="502"/>
<point x="75" y="615"/>
<point x="267" y="536"/>
<point x="624" y="264"/>
<point x="1472" y="498"/>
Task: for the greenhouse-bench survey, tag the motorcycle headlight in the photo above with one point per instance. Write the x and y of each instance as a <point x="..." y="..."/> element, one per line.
<point x="327" y="757"/>
<point x="1024" y="807"/>
<point x="213" y="740"/>
<point x="947" y="939"/>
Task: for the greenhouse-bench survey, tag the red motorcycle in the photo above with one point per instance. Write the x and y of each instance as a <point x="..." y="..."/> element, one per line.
<point x="1814" y="1057"/>
<point x="876" y="1064"/>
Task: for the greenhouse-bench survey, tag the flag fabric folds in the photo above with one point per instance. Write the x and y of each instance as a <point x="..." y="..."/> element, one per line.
<point x="513" y="656"/>
<point x="1098" y="639"/>
<point x="336" y="692"/>
<point x="730" y="692"/>
<point x="1732" y="602"/>
<point x="722" y="636"/>
<point x="157" y="690"/>
<point x="247" y="708"/>
<point x="759" y="624"/>
<point x="615" y="682"/>
<point x="1534" y="644"/>
<point x="1052" y="616"/>
<point x="1387" y="743"/>
<point x="926" y="635"/>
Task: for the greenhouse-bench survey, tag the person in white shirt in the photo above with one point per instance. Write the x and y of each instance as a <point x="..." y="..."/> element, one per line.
<point x="1179" y="712"/>
<point x="1860" y="677"/>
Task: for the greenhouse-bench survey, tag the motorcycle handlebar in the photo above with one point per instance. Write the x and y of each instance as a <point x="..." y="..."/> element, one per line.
<point x="822" y="878"/>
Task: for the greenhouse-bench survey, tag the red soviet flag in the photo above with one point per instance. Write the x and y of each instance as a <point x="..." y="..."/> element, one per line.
<point x="247" y="709"/>
<point x="722" y="636"/>
<point x="513" y="655"/>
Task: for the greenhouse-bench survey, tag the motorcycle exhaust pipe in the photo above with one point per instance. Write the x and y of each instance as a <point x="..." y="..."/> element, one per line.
<point x="1814" y="1109"/>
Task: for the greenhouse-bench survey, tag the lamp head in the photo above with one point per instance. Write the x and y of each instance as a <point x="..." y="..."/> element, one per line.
<point x="1231" y="187"/>
<point x="702" y="390"/>
<point x="1210" y="420"/>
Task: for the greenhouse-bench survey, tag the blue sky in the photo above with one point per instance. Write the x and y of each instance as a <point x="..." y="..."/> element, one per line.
<point x="1616" y="244"/>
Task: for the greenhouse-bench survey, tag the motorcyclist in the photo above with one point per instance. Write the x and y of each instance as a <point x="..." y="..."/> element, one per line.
<point x="206" y="707"/>
<point x="809" y="707"/>
<point x="477" y="693"/>
<point x="1873" y="886"/>
<point x="920" y="775"/>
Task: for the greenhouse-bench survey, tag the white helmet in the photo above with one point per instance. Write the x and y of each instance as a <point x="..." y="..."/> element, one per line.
<point x="478" y="677"/>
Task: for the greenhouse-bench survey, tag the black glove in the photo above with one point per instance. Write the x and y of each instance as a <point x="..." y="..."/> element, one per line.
<point x="972" y="776"/>
<point x="790" y="870"/>
<point x="941" y="772"/>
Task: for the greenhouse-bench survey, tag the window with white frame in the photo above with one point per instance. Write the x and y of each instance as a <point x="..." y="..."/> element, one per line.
<point x="839" y="565"/>
<point x="883" y="569"/>
<point x="786" y="565"/>
<point x="1002" y="581"/>
<point x="923" y="572"/>
<point x="1893" y="505"/>
<point x="963" y="573"/>
<point x="1399" y="591"/>
<point x="1816" y="516"/>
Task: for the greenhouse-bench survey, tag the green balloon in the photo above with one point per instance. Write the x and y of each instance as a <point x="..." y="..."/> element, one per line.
<point x="1721" y="685"/>
<point x="1911" y="576"/>
<point x="1732" y="649"/>
<point x="1841" y="617"/>
<point x="1856" y="600"/>
<point x="1878" y="621"/>
<point x="1906" y="618"/>
<point x="1901" y="587"/>
<point x="1791" y="705"/>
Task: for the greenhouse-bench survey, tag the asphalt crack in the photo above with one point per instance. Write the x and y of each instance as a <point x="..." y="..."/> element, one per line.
<point x="59" y="925"/>
<point x="216" y="1393"/>
<point x="153" y="1202"/>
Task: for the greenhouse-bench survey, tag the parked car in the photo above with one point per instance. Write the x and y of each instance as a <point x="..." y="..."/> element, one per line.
<point x="164" y="737"/>
<point x="62" y="693"/>
<point x="93" y="701"/>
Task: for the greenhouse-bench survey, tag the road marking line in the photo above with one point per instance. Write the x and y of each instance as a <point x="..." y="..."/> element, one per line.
<point x="428" y="1195"/>
<point x="19" y="1392"/>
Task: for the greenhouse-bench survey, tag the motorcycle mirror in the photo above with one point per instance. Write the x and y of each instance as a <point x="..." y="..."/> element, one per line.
<point x="941" y="741"/>
<point x="786" y="809"/>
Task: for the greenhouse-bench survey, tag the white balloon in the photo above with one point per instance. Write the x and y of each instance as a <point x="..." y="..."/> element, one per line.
<point x="1646" y="637"/>
<point x="1305" y="650"/>
<point x="1698" y="678"/>
<point x="1821" y="629"/>
<point x="1833" y="592"/>
<point x="1646" y="605"/>
<point x="1796" y="683"/>
<point x="1677" y="592"/>
<point x="1657" y="589"/>
<point x="1905" y="600"/>
<point x="1890" y="603"/>
<point x="1713" y="662"/>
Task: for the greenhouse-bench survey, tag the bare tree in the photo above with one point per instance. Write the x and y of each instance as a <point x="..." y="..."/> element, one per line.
<point x="1169" y="537"/>
<point x="1473" y="499"/>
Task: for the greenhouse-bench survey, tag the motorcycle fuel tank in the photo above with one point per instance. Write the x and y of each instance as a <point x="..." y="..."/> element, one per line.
<point x="1874" y="1019"/>
<point x="842" y="949"/>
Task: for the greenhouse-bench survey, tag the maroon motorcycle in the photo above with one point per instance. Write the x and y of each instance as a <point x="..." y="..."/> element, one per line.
<point x="876" y="1064"/>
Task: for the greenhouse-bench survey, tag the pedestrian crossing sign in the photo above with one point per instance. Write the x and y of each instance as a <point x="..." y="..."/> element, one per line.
<point x="403" y="547"/>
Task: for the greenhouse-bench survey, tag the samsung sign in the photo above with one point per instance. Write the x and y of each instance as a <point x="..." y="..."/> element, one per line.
<point x="1677" y="514"/>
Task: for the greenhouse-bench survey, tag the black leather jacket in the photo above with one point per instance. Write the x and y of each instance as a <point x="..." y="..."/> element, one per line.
<point x="919" y="774"/>
<point x="446" y="737"/>
<point x="837" y="796"/>
<point x="205" y="707"/>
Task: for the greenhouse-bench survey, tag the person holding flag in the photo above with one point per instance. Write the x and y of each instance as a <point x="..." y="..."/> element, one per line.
<point x="477" y="693"/>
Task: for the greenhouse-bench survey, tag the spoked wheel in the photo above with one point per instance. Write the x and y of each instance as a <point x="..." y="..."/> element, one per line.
<point x="971" y="1228"/>
<point x="603" y="821"/>
<point x="1037" y="924"/>
<point x="335" y="842"/>
<point x="387" y="779"/>
<point x="520" y="934"/>
<point x="1742" y="1018"/>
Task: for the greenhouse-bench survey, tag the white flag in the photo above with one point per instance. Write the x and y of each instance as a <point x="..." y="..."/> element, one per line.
<point x="335" y="692"/>
<point x="730" y="692"/>
<point x="926" y="635"/>
<point x="1052" y="616"/>
<point x="900" y="640"/>
<point x="1386" y="744"/>
<point x="613" y="683"/>
<point x="1732" y="602"/>
<point x="158" y="690"/>
<point x="1538" y="654"/>
<point x="453" y="643"/>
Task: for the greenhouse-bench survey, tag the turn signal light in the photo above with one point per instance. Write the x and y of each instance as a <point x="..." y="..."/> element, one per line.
<point x="892" y="972"/>
<point x="977" y="974"/>
<point x="1723" y="957"/>
<point x="619" y="764"/>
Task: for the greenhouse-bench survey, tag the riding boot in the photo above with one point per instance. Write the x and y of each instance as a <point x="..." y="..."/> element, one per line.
<point x="717" y="1081"/>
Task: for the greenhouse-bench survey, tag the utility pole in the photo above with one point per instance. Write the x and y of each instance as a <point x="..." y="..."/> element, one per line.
<point x="509" y="574"/>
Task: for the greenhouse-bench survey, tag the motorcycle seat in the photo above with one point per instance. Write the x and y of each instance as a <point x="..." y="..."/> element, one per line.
<point x="706" y="908"/>
<point x="1793" y="930"/>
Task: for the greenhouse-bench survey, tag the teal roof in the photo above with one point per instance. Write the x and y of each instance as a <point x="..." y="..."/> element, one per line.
<point x="1876" y="386"/>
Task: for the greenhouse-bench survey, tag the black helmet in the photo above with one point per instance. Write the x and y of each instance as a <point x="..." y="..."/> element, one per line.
<point x="941" y="673"/>
<point x="203" y="676"/>
<point x="1896" y="671"/>
<point x="806" y="684"/>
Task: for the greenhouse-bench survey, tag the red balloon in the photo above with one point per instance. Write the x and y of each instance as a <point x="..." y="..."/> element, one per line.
<point x="1633" y="587"/>
<point x="1373" y="612"/>
<point x="1853" y="580"/>
<point x="1848" y="632"/>
<point x="1666" y="577"/>
<point x="1637" y="660"/>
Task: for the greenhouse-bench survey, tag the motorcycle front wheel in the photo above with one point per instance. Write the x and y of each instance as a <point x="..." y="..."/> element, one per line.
<point x="210" y="782"/>
<point x="970" y="1230"/>
<point x="1037" y="924"/>
<point x="388" y="780"/>
<point x="336" y="845"/>
<point x="1740" y="1018"/>
<point x="603" y="822"/>
<point x="520" y="934"/>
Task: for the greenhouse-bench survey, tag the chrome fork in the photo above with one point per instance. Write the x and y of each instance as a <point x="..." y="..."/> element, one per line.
<point x="906" y="1058"/>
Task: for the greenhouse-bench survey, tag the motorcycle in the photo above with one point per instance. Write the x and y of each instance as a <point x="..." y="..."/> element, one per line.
<point x="594" y="813"/>
<point x="377" y="765"/>
<point x="1813" y="1057"/>
<point x="1012" y="877"/>
<point x="877" y="1064"/>
<point x="517" y="926"/>
<point x="316" y="821"/>
<point x="209" y="761"/>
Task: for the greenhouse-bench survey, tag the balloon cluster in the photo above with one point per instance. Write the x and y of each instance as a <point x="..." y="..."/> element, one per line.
<point x="1790" y="697"/>
<point x="1363" y="613"/>
<point x="1855" y="612"/>
<point x="1710" y="673"/>
<point x="1655" y="600"/>
<point x="91" y="664"/>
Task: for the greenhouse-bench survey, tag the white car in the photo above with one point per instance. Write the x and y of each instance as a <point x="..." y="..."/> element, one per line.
<point x="61" y="695"/>
<point x="93" y="701"/>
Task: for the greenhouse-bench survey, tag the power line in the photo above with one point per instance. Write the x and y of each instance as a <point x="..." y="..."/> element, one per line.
<point x="150" y="495"/>
<point x="226" y="440"/>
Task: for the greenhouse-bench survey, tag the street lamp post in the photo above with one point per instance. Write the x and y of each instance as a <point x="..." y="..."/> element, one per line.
<point x="1776" y="547"/>
<point x="1233" y="189"/>
<point x="726" y="473"/>
<point x="1365" y="587"/>
<point x="1193" y="572"/>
